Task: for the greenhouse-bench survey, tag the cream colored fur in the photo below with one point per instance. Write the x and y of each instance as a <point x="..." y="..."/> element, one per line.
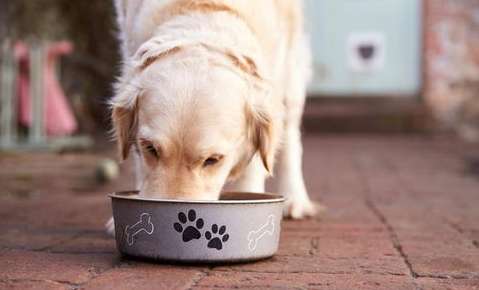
<point x="212" y="92"/>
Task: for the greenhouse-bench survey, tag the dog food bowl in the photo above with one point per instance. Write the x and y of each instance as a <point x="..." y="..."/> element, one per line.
<point x="238" y="227"/>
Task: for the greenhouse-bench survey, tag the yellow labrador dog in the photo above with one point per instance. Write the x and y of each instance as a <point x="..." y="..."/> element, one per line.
<point x="212" y="92"/>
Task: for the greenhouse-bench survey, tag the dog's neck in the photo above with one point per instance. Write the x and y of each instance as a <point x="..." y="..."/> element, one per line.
<point x="210" y="29"/>
<point x="236" y="43"/>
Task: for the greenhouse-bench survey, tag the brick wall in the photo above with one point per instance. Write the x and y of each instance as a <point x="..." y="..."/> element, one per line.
<point x="452" y="63"/>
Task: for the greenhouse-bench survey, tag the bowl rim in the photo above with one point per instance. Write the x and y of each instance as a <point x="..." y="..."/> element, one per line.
<point x="132" y="195"/>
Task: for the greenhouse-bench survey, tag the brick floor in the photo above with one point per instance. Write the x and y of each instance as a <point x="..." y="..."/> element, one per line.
<point x="402" y="213"/>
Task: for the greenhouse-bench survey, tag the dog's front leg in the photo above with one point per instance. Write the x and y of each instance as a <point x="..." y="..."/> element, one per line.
<point x="290" y="175"/>
<point x="289" y="170"/>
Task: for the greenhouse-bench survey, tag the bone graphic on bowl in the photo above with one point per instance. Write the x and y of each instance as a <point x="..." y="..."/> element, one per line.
<point x="255" y="236"/>
<point x="143" y="225"/>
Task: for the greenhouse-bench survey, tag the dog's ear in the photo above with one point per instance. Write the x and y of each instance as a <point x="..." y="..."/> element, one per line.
<point x="124" y="106"/>
<point x="261" y="133"/>
<point x="125" y="125"/>
<point x="124" y="110"/>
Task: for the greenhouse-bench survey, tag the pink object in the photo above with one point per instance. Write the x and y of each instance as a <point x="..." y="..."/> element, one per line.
<point x="58" y="116"/>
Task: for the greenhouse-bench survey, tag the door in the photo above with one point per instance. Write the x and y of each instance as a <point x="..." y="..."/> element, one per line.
<point x="365" y="47"/>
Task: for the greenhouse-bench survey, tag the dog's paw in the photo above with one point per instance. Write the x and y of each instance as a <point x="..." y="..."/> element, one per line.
<point x="110" y="227"/>
<point x="301" y="208"/>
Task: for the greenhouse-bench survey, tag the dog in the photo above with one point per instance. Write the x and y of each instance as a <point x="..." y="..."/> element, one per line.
<point x="212" y="92"/>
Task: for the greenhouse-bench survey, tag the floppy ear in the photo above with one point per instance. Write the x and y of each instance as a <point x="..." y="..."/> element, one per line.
<point x="262" y="135"/>
<point x="125" y="124"/>
<point x="124" y="111"/>
<point x="128" y="89"/>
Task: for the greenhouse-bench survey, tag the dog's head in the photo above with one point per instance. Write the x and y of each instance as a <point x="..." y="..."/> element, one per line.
<point x="194" y="114"/>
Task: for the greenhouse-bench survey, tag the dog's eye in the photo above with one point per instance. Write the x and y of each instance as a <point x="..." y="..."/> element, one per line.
<point x="212" y="160"/>
<point x="150" y="149"/>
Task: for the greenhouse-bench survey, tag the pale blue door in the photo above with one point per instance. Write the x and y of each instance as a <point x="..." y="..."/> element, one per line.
<point x="365" y="47"/>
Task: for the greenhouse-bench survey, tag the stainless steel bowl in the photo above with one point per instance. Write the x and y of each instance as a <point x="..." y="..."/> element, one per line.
<point x="238" y="227"/>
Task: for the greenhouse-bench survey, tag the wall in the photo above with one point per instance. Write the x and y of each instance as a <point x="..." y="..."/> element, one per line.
<point x="452" y="64"/>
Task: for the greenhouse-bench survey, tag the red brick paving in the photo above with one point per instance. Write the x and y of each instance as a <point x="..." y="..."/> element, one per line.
<point x="402" y="213"/>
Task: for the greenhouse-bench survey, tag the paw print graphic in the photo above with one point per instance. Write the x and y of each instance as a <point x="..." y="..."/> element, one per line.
<point x="216" y="238"/>
<point x="188" y="227"/>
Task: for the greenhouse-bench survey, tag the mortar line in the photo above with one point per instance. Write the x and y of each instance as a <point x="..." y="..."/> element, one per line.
<point x="311" y="272"/>
<point x="58" y="243"/>
<point x="461" y="231"/>
<point x="66" y="283"/>
<point x="393" y="237"/>
<point x="61" y="242"/>
<point x="202" y="274"/>
<point x="314" y="246"/>
<point x="97" y="274"/>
